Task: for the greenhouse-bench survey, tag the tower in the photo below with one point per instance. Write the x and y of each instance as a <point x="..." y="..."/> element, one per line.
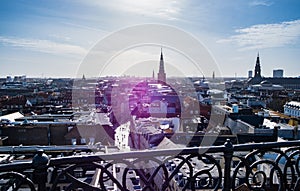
<point x="250" y="74"/>
<point x="257" y="73"/>
<point x="278" y="73"/>
<point x="161" y="76"/>
<point x="257" y="68"/>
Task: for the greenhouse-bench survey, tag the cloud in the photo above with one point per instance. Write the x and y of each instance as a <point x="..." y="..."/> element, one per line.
<point x="45" y="46"/>
<point x="261" y="3"/>
<point x="266" y="35"/>
<point x="162" y="9"/>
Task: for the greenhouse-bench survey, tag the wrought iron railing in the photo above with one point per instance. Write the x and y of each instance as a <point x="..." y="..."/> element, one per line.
<point x="257" y="166"/>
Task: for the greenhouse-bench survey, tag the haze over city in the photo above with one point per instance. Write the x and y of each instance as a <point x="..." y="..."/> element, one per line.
<point x="160" y="95"/>
<point x="52" y="38"/>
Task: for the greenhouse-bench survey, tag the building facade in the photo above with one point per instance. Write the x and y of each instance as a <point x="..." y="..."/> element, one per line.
<point x="278" y="73"/>
<point x="292" y="108"/>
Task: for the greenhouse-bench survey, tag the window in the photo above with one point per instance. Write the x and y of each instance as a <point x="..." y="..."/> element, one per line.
<point x="73" y="141"/>
<point x="82" y="141"/>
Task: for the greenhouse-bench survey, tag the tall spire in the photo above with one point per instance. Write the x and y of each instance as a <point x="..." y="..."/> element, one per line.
<point x="161" y="76"/>
<point x="257" y="71"/>
<point x="161" y="55"/>
<point x="257" y="59"/>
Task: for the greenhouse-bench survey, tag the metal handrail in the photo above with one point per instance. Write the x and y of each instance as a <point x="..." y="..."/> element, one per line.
<point x="289" y="174"/>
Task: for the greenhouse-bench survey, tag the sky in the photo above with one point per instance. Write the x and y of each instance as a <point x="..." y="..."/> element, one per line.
<point x="52" y="38"/>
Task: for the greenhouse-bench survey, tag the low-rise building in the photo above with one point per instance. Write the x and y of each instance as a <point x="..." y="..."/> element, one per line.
<point x="292" y="108"/>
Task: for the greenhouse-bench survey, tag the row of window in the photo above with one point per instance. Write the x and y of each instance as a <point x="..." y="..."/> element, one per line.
<point x="292" y="112"/>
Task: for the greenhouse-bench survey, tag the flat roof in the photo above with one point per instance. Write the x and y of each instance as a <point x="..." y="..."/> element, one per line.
<point x="11" y="117"/>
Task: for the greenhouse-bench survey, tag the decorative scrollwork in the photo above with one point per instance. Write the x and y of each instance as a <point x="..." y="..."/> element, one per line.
<point x="194" y="172"/>
<point x="265" y="167"/>
<point x="14" y="181"/>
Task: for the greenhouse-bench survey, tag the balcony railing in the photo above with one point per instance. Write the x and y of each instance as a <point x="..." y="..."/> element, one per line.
<point x="257" y="166"/>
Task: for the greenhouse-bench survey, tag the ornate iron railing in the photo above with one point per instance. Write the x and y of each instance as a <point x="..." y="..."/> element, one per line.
<point x="257" y="166"/>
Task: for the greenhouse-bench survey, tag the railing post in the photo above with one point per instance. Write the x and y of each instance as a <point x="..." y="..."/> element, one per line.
<point x="40" y="164"/>
<point x="228" y="153"/>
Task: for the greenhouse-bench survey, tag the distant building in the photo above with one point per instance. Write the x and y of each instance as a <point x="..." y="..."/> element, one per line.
<point x="257" y="73"/>
<point x="88" y="134"/>
<point x="254" y="102"/>
<point x="122" y="137"/>
<point x="9" y="79"/>
<point x="277" y="79"/>
<point x="150" y="98"/>
<point x="158" y="106"/>
<point x="161" y="76"/>
<point x="287" y="83"/>
<point x="266" y="86"/>
<point x="250" y="73"/>
<point x="36" y="133"/>
<point x="20" y="78"/>
<point x="278" y="73"/>
<point x="292" y="108"/>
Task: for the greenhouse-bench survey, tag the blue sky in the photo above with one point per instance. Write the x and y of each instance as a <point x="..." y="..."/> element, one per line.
<point x="51" y="38"/>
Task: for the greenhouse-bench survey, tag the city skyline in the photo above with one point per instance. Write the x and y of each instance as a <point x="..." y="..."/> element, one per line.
<point x="51" y="39"/>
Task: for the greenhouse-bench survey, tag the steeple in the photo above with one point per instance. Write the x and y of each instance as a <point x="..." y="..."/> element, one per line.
<point x="257" y="71"/>
<point x="161" y="76"/>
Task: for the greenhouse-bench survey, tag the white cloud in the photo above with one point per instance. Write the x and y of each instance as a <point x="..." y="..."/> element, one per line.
<point x="266" y="35"/>
<point x="45" y="46"/>
<point x="261" y="3"/>
<point x="155" y="8"/>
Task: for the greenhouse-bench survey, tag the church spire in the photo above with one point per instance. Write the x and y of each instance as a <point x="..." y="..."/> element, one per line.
<point x="161" y="63"/>
<point x="161" y="76"/>
<point x="161" y="55"/>
<point x="257" y="71"/>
